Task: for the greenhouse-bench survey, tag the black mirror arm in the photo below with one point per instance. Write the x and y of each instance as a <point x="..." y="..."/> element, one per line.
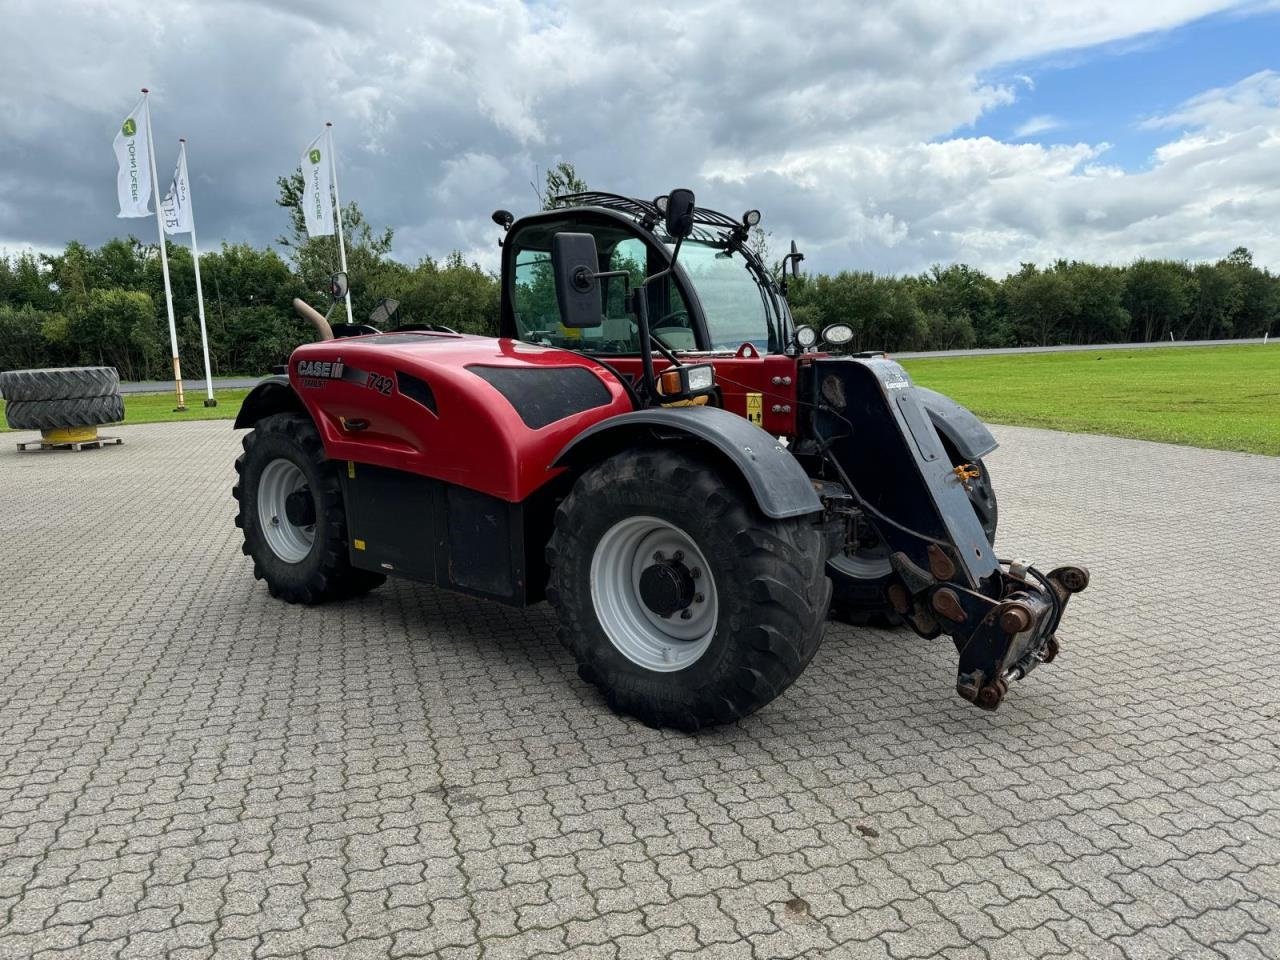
<point x="675" y="254"/>
<point x="640" y="307"/>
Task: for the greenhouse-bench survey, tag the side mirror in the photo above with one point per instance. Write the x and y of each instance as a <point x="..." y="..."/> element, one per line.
<point x="795" y="256"/>
<point x="575" y="263"/>
<point x="337" y="285"/>
<point x="679" y="213"/>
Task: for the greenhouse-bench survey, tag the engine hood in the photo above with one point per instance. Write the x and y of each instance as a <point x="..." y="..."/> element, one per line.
<point x="484" y="412"/>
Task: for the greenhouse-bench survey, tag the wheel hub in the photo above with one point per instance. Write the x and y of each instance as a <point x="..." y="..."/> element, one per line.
<point x="300" y="508"/>
<point x="654" y="593"/>
<point x="666" y="586"/>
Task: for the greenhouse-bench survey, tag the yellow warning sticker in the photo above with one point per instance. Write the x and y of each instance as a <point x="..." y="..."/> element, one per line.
<point x="351" y="469"/>
<point x="755" y="408"/>
<point x="358" y="544"/>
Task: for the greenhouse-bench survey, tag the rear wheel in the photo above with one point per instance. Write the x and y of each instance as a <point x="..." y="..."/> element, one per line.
<point x="292" y="514"/>
<point x="680" y="601"/>
<point x="861" y="577"/>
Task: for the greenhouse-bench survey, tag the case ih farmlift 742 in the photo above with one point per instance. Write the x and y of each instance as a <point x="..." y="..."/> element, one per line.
<point x="658" y="450"/>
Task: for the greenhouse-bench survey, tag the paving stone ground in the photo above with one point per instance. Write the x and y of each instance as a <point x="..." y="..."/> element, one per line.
<point x="190" y="769"/>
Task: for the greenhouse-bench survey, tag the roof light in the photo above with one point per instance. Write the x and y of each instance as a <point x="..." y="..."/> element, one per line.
<point x="751" y="218"/>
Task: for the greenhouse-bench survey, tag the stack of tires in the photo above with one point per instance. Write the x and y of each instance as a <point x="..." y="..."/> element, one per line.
<point x="61" y="400"/>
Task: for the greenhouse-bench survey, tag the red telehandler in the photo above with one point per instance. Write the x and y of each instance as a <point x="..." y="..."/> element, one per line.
<point x="654" y="446"/>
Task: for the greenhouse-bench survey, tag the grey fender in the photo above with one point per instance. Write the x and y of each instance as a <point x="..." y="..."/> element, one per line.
<point x="967" y="433"/>
<point x="777" y="481"/>
<point x="274" y="394"/>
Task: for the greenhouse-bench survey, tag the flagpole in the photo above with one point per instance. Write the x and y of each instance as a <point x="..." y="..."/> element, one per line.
<point x="337" y="203"/>
<point x="195" y="256"/>
<point x="164" y="258"/>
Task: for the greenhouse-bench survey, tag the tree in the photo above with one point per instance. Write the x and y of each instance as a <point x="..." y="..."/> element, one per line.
<point x="457" y="294"/>
<point x="1157" y="295"/>
<point x="315" y="259"/>
<point x="560" y="180"/>
<point x="1098" y="314"/>
<point x="1259" y="306"/>
<point x="1041" y="304"/>
<point x="960" y="303"/>
<point x="121" y="329"/>
<point x="23" y="341"/>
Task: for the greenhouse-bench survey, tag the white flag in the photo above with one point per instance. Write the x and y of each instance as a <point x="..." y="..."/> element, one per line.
<point x="175" y="208"/>
<point x="317" y="208"/>
<point x="133" y="177"/>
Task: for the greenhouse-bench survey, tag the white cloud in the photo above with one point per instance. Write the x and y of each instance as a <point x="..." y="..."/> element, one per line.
<point x="844" y="123"/>
<point x="1214" y="186"/>
<point x="1038" y="124"/>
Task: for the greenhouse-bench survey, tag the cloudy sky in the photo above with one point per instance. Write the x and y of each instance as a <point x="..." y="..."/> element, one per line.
<point x="880" y="135"/>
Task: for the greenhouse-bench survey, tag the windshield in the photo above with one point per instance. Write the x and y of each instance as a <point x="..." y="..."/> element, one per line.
<point x="736" y="309"/>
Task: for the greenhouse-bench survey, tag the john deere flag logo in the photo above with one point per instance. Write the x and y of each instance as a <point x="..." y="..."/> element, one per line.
<point x="133" y="178"/>
<point x="317" y="207"/>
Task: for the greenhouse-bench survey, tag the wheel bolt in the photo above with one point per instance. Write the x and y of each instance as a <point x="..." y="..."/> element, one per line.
<point x="658" y="557"/>
<point x="686" y="614"/>
<point x="275" y="521"/>
<point x="696" y="572"/>
<point x="678" y="556"/>
<point x="698" y="598"/>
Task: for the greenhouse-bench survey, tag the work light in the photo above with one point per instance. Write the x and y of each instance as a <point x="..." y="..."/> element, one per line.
<point x="685" y="380"/>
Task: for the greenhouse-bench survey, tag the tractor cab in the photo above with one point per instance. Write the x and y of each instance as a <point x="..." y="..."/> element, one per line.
<point x="717" y="297"/>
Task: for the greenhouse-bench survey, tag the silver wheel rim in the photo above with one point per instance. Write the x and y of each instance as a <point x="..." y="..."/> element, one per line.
<point x="290" y="543"/>
<point x="661" y="644"/>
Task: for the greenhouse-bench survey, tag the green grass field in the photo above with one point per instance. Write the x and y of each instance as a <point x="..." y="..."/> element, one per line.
<point x="1227" y="398"/>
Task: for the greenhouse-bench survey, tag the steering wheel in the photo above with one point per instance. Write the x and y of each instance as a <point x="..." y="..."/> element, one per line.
<point x="676" y="318"/>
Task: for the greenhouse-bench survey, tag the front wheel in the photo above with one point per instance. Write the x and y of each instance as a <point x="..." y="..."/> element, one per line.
<point x="682" y="603"/>
<point x="292" y="514"/>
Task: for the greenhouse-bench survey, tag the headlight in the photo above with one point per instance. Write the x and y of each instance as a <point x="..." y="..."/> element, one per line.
<point x="806" y="336"/>
<point x="682" y="381"/>
<point x="701" y="377"/>
<point x="838" y="333"/>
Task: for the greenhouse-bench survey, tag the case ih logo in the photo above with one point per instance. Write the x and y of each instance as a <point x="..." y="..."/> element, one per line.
<point x="322" y="369"/>
<point x="313" y="373"/>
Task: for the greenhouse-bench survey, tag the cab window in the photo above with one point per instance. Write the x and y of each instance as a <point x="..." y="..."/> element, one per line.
<point x="537" y="314"/>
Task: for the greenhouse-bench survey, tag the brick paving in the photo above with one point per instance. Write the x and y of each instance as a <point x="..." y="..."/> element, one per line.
<point x="190" y="769"/>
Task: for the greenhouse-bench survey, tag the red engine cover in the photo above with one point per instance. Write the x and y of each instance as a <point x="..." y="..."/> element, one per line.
<point x="484" y="413"/>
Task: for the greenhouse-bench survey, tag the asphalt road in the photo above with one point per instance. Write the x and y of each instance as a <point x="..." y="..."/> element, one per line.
<point x="189" y="768"/>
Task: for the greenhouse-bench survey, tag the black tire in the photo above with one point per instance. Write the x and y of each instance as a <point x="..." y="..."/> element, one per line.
<point x="864" y="601"/>
<point x="766" y="575"/>
<point x="59" y="383"/>
<point x="325" y="572"/>
<point x="55" y="414"/>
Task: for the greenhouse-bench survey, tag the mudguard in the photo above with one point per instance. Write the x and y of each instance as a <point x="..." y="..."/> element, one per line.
<point x="272" y="394"/>
<point x="777" y="481"/>
<point x="967" y="433"/>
